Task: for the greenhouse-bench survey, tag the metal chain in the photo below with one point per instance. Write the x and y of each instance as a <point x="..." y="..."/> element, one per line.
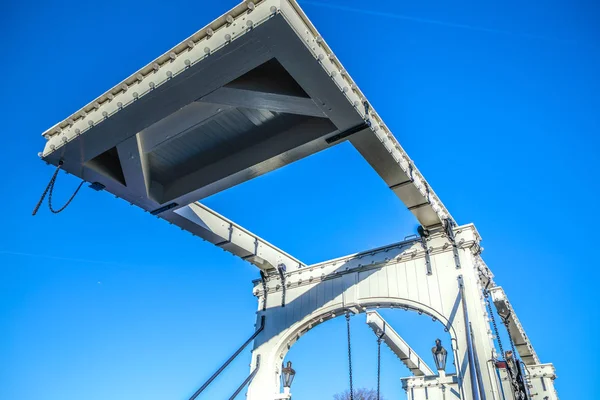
<point x="513" y="378"/>
<point x="496" y="332"/>
<point x="50" y="184"/>
<point x="512" y="344"/>
<point x="378" y="364"/>
<point x="50" y="190"/>
<point x="68" y="201"/>
<point x="349" y="356"/>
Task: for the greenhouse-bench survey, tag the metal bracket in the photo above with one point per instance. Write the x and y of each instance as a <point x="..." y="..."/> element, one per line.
<point x="263" y="278"/>
<point x="347" y="132"/>
<point x="424" y="234"/>
<point x="448" y="225"/>
<point x="281" y="270"/>
<point x="367" y="119"/>
<point x="163" y="208"/>
<point x="97" y="186"/>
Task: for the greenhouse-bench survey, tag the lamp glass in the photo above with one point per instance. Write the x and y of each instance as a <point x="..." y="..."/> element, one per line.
<point x="439" y="355"/>
<point x="287" y="375"/>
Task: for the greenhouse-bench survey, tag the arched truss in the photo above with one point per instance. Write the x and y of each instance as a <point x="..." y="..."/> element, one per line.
<point x="440" y="277"/>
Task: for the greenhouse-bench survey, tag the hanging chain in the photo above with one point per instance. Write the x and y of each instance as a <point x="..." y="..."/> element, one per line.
<point x="512" y="344"/>
<point x="67" y="203"/>
<point x="349" y="356"/>
<point x="513" y="375"/>
<point x="496" y="332"/>
<point x="50" y="190"/>
<point x="379" y="363"/>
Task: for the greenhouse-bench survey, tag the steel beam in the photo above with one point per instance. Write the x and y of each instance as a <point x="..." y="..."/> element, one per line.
<point x="282" y="103"/>
<point x="398" y="345"/>
<point x="134" y="165"/>
<point x="213" y="227"/>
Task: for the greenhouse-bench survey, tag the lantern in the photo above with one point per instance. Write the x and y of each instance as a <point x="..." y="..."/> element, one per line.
<point x="439" y="355"/>
<point x="287" y="375"/>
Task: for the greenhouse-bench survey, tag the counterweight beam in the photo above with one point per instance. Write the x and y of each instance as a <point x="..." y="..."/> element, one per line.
<point x="398" y="345"/>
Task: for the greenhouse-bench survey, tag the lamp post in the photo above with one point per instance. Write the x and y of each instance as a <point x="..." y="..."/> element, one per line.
<point x="287" y="377"/>
<point x="439" y="356"/>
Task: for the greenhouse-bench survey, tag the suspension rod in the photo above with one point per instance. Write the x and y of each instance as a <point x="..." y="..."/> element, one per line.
<point x="248" y="379"/>
<point x="470" y="355"/>
<point x="230" y="359"/>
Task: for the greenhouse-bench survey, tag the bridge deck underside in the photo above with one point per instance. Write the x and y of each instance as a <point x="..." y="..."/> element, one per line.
<point x="236" y="100"/>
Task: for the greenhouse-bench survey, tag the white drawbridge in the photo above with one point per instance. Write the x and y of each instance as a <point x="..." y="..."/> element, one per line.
<point x="257" y="89"/>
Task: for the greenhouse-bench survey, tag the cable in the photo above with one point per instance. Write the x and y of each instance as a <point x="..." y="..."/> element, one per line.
<point x="50" y="190"/>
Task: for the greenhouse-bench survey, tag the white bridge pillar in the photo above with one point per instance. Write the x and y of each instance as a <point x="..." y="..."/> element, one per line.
<point x="396" y="276"/>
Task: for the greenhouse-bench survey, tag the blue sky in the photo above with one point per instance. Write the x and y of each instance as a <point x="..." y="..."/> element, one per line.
<point x="496" y="102"/>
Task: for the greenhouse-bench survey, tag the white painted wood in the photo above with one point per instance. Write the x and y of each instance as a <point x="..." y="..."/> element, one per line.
<point x="398" y="345"/>
<point x="515" y="329"/>
<point x="356" y="283"/>
<point x="232" y="237"/>
<point x="157" y="101"/>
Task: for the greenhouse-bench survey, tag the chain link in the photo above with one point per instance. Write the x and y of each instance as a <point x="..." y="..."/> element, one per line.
<point x="378" y="364"/>
<point x="68" y="201"/>
<point x="512" y="374"/>
<point x="496" y="332"/>
<point x="512" y="344"/>
<point x="50" y="190"/>
<point x="349" y="356"/>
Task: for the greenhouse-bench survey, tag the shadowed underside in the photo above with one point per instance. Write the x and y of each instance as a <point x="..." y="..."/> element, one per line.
<point x="255" y="90"/>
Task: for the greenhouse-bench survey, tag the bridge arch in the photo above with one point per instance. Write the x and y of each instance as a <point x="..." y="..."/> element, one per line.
<point x="300" y="328"/>
<point x="438" y="280"/>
